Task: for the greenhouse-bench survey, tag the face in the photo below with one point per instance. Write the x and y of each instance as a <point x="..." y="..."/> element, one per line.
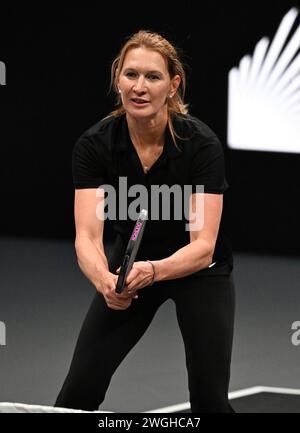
<point x="145" y="83"/>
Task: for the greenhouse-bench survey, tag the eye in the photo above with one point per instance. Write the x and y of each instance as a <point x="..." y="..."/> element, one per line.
<point x="153" y="77"/>
<point x="130" y="74"/>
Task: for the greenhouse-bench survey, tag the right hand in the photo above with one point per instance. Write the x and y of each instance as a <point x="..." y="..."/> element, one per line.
<point x="114" y="300"/>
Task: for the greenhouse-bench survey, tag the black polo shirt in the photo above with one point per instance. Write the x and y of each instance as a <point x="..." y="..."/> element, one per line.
<point x="105" y="153"/>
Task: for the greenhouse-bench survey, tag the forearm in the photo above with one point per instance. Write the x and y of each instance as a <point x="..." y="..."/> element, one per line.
<point x="189" y="259"/>
<point x="91" y="259"/>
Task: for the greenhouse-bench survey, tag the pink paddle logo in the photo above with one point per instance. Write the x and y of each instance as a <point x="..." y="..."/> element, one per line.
<point x="136" y="231"/>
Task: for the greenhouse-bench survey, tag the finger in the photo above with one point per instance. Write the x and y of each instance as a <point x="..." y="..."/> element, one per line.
<point x="121" y="295"/>
<point x="131" y="288"/>
<point x="133" y="283"/>
<point x="117" y="303"/>
<point x="131" y="276"/>
<point x="124" y="297"/>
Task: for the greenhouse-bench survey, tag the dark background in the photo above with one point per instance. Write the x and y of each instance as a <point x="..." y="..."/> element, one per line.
<point x="58" y="72"/>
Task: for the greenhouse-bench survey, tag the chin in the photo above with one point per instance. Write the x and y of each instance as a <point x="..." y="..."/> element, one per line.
<point x="141" y="114"/>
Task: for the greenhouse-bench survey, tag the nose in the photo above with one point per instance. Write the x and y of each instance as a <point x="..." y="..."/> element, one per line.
<point x="139" y="86"/>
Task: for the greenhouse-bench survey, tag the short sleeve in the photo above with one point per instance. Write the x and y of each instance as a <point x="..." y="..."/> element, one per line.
<point x="208" y="166"/>
<point x="88" y="165"/>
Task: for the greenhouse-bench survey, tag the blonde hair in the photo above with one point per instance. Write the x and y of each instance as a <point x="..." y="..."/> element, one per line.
<point x="156" y="42"/>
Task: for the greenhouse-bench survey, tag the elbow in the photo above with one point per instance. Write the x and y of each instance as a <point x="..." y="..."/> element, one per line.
<point x="208" y="254"/>
<point x="78" y="249"/>
<point x="209" y="259"/>
<point x="80" y="244"/>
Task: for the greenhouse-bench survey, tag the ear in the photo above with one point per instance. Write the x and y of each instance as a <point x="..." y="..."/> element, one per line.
<point x="174" y="84"/>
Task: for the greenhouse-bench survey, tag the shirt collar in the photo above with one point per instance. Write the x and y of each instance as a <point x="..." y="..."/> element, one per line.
<point x="123" y="140"/>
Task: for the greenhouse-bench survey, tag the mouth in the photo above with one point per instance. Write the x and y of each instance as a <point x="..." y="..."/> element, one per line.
<point x="139" y="102"/>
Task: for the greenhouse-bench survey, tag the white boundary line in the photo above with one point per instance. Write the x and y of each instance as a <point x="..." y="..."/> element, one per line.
<point x="232" y="395"/>
<point x="9" y="407"/>
<point x="276" y="390"/>
<point x="19" y="407"/>
<point x="169" y="409"/>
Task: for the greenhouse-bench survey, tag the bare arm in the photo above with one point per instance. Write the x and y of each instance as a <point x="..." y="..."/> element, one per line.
<point x="198" y="253"/>
<point x="89" y="236"/>
<point x="91" y="259"/>
<point x="89" y="222"/>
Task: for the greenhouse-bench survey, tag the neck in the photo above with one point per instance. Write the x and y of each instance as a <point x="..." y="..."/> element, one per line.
<point x="147" y="132"/>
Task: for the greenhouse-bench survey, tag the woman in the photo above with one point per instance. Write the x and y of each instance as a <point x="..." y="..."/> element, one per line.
<point x="151" y="140"/>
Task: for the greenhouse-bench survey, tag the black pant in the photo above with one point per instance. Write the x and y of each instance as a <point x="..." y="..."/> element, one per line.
<point x="205" y="314"/>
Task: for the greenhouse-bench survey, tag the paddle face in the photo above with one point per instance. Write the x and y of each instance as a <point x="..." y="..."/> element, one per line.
<point x="131" y="250"/>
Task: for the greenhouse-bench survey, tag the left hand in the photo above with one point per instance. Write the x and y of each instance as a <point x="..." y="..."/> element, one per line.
<point x="140" y="276"/>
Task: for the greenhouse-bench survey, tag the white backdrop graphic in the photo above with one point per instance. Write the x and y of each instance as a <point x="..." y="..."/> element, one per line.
<point x="2" y="74"/>
<point x="264" y="93"/>
<point x="2" y="334"/>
